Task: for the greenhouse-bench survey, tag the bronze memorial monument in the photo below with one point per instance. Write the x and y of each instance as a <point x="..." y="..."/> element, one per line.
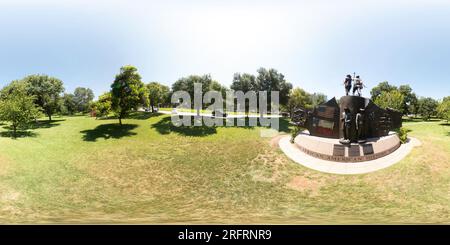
<point x="355" y="129"/>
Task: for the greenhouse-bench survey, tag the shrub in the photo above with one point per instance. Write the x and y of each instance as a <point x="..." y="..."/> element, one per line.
<point x="295" y="132"/>
<point x="402" y="134"/>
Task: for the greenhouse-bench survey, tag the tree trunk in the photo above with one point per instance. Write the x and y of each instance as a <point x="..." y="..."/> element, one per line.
<point x="153" y="108"/>
<point x="14" y="130"/>
<point x="50" y="117"/>
<point x="120" y="120"/>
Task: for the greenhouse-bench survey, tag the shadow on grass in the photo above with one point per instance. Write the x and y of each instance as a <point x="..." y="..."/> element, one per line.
<point x="165" y="126"/>
<point x="140" y="115"/>
<point x="143" y="115"/>
<point x="108" y="131"/>
<point x="19" y="134"/>
<point x="46" y="123"/>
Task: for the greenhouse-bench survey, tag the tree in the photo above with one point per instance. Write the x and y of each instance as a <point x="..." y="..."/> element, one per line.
<point x="127" y="92"/>
<point x="317" y="99"/>
<point x="409" y="99"/>
<point x="299" y="98"/>
<point x="390" y="99"/>
<point x="68" y="106"/>
<point x="46" y="91"/>
<point x="102" y="107"/>
<point x="157" y="93"/>
<point x="443" y="109"/>
<point x="244" y="82"/>
<point x="187" y="84"/>
<point x="427" y="107"/>
<point x="381" y="87"/>
<point x="82" y="98"/>
<point x="271" y="80"/>
<point x="413" y="106"/>
<point x="18" y="108"/>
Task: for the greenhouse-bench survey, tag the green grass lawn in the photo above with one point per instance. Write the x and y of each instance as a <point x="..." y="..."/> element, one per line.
<point x="82" y="170"/>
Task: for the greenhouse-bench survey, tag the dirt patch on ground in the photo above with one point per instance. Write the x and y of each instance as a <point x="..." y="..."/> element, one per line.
<point x="301" y="183"/>
<point x="268" y="167"/>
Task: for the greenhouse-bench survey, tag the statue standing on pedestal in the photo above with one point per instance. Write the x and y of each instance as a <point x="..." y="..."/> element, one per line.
<point x="357" y="85"/>
<point x="347" y="118"/>
<point x="359" y="123"/>
<point x="348" y="84"/>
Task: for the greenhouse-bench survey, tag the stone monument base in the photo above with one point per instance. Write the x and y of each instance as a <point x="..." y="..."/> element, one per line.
<point x="333" y="150"/>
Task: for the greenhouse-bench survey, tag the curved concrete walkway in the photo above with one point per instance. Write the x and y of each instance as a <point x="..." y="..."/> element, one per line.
<point x="298" y="156"/>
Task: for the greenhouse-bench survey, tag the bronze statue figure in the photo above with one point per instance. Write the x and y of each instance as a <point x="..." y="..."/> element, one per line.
<point x="357" y="85"/>
<point x="348" y="84"/>
<point x="347" y="124"/>
<point x="359" y="123"/>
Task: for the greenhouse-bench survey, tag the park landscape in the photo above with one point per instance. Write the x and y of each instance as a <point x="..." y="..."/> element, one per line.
<point x="70" y="159"/>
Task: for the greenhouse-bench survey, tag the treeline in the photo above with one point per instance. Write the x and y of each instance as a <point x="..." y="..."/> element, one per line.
<point x="403" y="99"/>
<point x="23" y="101"/>
<point x="128" y="92"/>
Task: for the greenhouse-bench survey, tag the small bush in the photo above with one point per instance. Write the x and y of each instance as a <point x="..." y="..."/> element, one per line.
<point x="295" y="132"/>
<point x="403" y="134"/>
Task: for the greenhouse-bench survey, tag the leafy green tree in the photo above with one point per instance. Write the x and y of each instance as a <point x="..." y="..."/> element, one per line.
<point x="410" y="99"/>
<point x="381" y="87"/>
<point x="427" y="107"/>
<point x="157" y="93"/>
<point x="390" y="99"/>
<point x="166" y="96"/>
<point x="18" y="108"/>
<point x="82" y="98"/>
<point x="187" y="84"/>
<point x="413" y="105"/>
<point x="443" y="109"/>
<point x="299" y="98"/>
<point x="68" y="106"/>
<point x="46" y="91"/>
<point x="10" y="88"/>
<point x="127" y="92"/>
<point x="317" y="99"/>
<point x="102" y="107"/>
<point x="271" y="80"/>
<point x="244" y="82"/>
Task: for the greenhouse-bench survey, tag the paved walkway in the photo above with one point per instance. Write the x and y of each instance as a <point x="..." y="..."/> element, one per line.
<point x="298" y="156"/>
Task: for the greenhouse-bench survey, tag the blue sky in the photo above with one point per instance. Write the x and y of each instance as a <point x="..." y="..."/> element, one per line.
<point x="314" y="43"/>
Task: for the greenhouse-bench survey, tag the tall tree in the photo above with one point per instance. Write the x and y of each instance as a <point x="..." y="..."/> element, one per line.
<point x="390" y="99"/>
<point x="127" y="92"/>
<point x="271" y="80"/>
<point x="381" y="87"/>
<point x="427" y="107"/>
<point x="68" y="104"/>
<point x="299" y="98"/>
<point x="443" y="109"/>
<point x="318" y="98"/>
<point x="82" y="98"/>
<point x="244" y="82"/>
<point x="17" y="107"/>
<point x="157" y="94"/>
<point x="46" y="91"/>
<point x="409" y="98"/>
<point x="102" y="107"/>
<point x="187" y="84"/>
